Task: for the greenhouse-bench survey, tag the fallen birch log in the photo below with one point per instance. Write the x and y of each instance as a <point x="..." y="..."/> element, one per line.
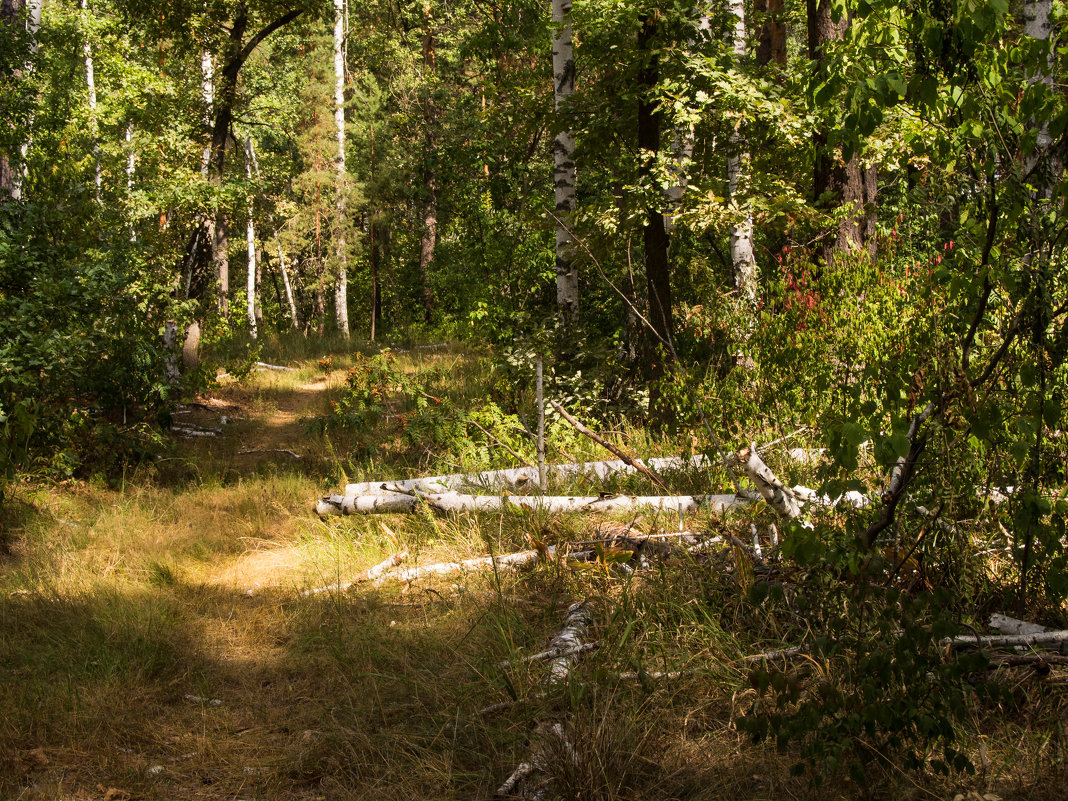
<point x="506" y="561"/>
<point x="452" y="502"/>
<point x="370" y="574"/>
<point x="1010" y="625"/>
<point x="519" y="477"/>
<point x="1008" y="640"/>
<point x="568" y="642"/>
<point x="265" y="366"/>
<point x="779" y="497"/>
<point x="550" y="653"/>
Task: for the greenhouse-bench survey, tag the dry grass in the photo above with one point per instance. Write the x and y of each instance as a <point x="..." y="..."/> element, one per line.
<point x="135" y="663"/>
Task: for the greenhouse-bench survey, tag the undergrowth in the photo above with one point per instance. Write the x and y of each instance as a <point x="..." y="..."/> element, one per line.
<point x="156" y="641"/>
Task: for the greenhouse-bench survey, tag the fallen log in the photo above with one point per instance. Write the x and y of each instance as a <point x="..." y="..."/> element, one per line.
<point x="265" y="366"/>
<point x="779" y="497"/>
<point x="1010" y="625"/>
<point x="398" y="502"/>
<point x="550" y="653"/>
<point x="568" y="642"/>
<point x="505" y="561"/>
<point x="368" y="575"/>
<point x="519" y="477"/>
<point x="1008" y="640"/>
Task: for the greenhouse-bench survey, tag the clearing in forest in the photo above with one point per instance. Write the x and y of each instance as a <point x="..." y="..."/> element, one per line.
<point x="158" y="639"/>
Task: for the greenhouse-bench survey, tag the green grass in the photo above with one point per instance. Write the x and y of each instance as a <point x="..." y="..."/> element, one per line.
<point x="118" y="604"/>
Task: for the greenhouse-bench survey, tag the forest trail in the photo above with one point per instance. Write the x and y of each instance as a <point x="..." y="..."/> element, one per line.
<point x="157" y="640"/>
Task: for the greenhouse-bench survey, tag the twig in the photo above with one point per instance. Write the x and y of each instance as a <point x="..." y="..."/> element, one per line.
<point x="635" y="463"/>
<point x="504" y="445"/>
<point x="759" y="562"/>
<point x="271" y="450"/>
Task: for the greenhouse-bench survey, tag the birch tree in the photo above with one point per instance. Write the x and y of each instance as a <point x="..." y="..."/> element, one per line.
<point x="250" y="241"/>
<point x="90" y="86"/>
<point x="16" y="15"/>
<point x="341" y="295"/>
<point x="564" y="172"/>
<point x="743" y="260"/>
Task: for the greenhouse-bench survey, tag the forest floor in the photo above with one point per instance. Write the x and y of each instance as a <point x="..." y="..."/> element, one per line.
<point x="156" y="642"/>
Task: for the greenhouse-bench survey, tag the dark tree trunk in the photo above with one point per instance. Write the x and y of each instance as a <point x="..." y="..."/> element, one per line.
<point x="654" y="238"/>
<point x="429" y="239"/>
<point x="237" y="53"/>
<point x="837" y="183"/>
<point x="771" y="48"/>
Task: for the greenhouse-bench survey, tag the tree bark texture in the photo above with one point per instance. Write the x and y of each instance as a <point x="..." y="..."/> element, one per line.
<point x="341" y="291"/>
<point x="523" y="477"/>
<point x="90" y="86"/>
<point x="455" y="502"/>
<point x="743" y="259"/>
<point x="27" y="14"/>
<point x="837" y="183"/>
<point x="771" y="46"/>
<point x="564" y="171"/>
<point x="250" y="243"/>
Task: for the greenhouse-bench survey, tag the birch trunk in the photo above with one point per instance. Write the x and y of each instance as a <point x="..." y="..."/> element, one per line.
<point x="285" y="282"/>
<point x="564" y="172"/>
<point x="250" y="243"/>
<point x="1037" y="26"/>
<point x="28" y="13"/>
<point x="454" y="502"/>
<point x="654" y="238"/>
<point x="521" y="477"/>
<point x="90" y="85"/>
<point x="131" y="165"/>
<point x="743" y="259"/>
<point x="341" y="291"/>
<point x="682" y="150"/>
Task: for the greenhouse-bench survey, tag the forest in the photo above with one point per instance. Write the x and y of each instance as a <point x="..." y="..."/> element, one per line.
<point x="601" y="399"/>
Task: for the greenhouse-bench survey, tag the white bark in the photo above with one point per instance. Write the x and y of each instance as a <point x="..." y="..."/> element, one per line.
<point x="682" y="156"/>
<point x="568" y="643"/>
<point x="521" y="477"/>
<point x="779" y="497"/>
<point x="131" y="164"/>
<point x="1009" y="640"/>
<point x="33" y="24"/>
<point x="285" y="282"/>
<point x="90" y="84"/>
<point x="564" y="173"/>
<point x="1010" y="625"/>
<point x="743" y="259"/>
<point x="370" y="574"/>
<point x="250" y="244"/>
<point x="453" y="502"/>
<point x="1037" y="26"/>
<point x="207" y="94"/>
<point x="341" y="296"/>
<point x="504" y="562"/>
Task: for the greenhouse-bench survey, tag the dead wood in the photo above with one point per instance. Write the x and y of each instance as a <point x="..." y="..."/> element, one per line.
<point x="398" y="501"/>
<point x="633" y="462"/>
<point x="368" y="575"/>
<point x="779" y="497"/>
